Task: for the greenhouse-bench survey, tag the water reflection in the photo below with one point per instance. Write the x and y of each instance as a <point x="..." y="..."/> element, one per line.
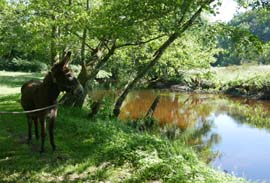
<point x="231" y="133"/>
<point x="244" y="150"/>
<point x="181" y="110"/>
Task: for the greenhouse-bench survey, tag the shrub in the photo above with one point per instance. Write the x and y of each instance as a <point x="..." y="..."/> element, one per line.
<point x="18" y="64"/>
<point x="75" y="68"/>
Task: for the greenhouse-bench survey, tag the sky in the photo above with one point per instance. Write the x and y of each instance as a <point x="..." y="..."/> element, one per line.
<point x="227" y="10"/>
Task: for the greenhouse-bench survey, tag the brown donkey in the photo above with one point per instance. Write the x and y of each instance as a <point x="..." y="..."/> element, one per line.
<point x="37" y="94"/>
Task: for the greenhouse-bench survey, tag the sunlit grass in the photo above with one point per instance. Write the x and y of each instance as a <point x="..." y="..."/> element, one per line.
<point x="11" y="82"/>
<point x="4" y="90"/>
<point x="231" y="73"/>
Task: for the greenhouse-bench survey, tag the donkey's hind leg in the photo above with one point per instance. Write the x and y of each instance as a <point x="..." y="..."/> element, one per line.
<point x="43" y="133"/>
<point x="36" y="127"/>
<point x="29" y="120"/>
<point x="51" y="131"/>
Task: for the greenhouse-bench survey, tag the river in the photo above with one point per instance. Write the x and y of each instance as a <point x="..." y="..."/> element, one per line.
<point x="235" y="132"/>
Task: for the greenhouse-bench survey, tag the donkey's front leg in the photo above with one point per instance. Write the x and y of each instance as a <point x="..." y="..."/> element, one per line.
<point x="51" y="132"/>
<point x="36" y="127"/>
<point x="43" y="133"/>
<point x="29" y="120"/>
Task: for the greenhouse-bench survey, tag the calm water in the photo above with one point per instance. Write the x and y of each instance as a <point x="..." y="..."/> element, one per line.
<point x="235" y="130"/>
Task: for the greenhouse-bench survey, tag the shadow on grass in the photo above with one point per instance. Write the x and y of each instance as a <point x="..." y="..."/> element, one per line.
<point x="83" y="147"/>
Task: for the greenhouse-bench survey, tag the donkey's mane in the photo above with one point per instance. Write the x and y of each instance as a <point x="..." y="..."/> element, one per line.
<point x="48" y="78"/>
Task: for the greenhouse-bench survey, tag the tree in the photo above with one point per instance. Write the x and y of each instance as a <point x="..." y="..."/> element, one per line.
<point x="247" y="39"/>
<point x="254" y="4"/>
<point x="120" y="24"/>
<point x="190" y="12"/>
<point x="96" y="30"/>
<point x="12" y="32"/>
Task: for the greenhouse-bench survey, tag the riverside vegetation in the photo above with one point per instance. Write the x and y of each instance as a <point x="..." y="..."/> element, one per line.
<point x="246" y="80"/>
<point x="99" y="149"/>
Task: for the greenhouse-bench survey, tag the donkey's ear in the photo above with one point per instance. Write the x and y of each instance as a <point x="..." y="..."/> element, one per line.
<point x="66" y="58"/>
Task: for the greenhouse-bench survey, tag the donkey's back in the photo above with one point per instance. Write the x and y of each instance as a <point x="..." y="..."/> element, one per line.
<point x="29" y="92"/>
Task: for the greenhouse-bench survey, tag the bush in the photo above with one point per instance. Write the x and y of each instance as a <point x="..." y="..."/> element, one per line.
<point x="75" y="68"/>
<point x="18" y="64"/>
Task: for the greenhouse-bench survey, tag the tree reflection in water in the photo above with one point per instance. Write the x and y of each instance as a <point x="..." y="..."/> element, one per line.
<point x="183" y="116"/>
<point x="189" y="117"/>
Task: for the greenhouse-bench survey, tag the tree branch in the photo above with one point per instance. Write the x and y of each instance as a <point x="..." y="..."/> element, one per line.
<point x="140" y="42"/>
<point x="101" y="63"/>
<point x="88" y="46"/>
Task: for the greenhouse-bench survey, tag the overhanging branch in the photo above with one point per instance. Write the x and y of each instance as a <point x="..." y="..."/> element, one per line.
<point x="87" y="45"/>
<point x="140" y="42"/>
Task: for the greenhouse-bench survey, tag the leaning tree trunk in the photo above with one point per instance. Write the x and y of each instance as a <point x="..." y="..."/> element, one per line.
<point x="153" y="62"/>
<point x="141" y="74"/>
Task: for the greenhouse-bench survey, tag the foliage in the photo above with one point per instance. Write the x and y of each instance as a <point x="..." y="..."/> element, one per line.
<point x="18" y="64"/>
<point x="245" y="80"/>
<point x="255" y="21"/>
<point x="95" y="31"/>
<point x="105" y="107"/>
<point x="249" y="39"/>
<point x="255" y="4"/>
<point x="102" y="74"/>
<point x="196" y="49"/>
<point x="256" y="87"/>
<point x="17" y="39"/>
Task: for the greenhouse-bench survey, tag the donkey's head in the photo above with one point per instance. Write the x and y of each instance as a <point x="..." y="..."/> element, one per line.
<point x="64" y="78"/>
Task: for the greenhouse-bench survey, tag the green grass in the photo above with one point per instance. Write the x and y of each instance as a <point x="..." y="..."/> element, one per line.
<point x="243" y="72"/>
<point x="250" y="81"/>
<point x="247" y="81"/>
<point x="10" y="82"/>
<point x="95" y="150"/>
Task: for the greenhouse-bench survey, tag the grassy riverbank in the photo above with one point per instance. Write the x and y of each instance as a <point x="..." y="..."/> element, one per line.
<point x="234" y="73"/>
<point x="245" y="80"/>
<point x="101" y="149"/>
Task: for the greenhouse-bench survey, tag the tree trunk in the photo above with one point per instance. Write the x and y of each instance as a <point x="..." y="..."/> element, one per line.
<point x="77" y="101"/>
<point x="156" y="58"/>
<point x="84" y="39"/>
<point x="84" y="78"/>
<point x="141" y="74"/>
